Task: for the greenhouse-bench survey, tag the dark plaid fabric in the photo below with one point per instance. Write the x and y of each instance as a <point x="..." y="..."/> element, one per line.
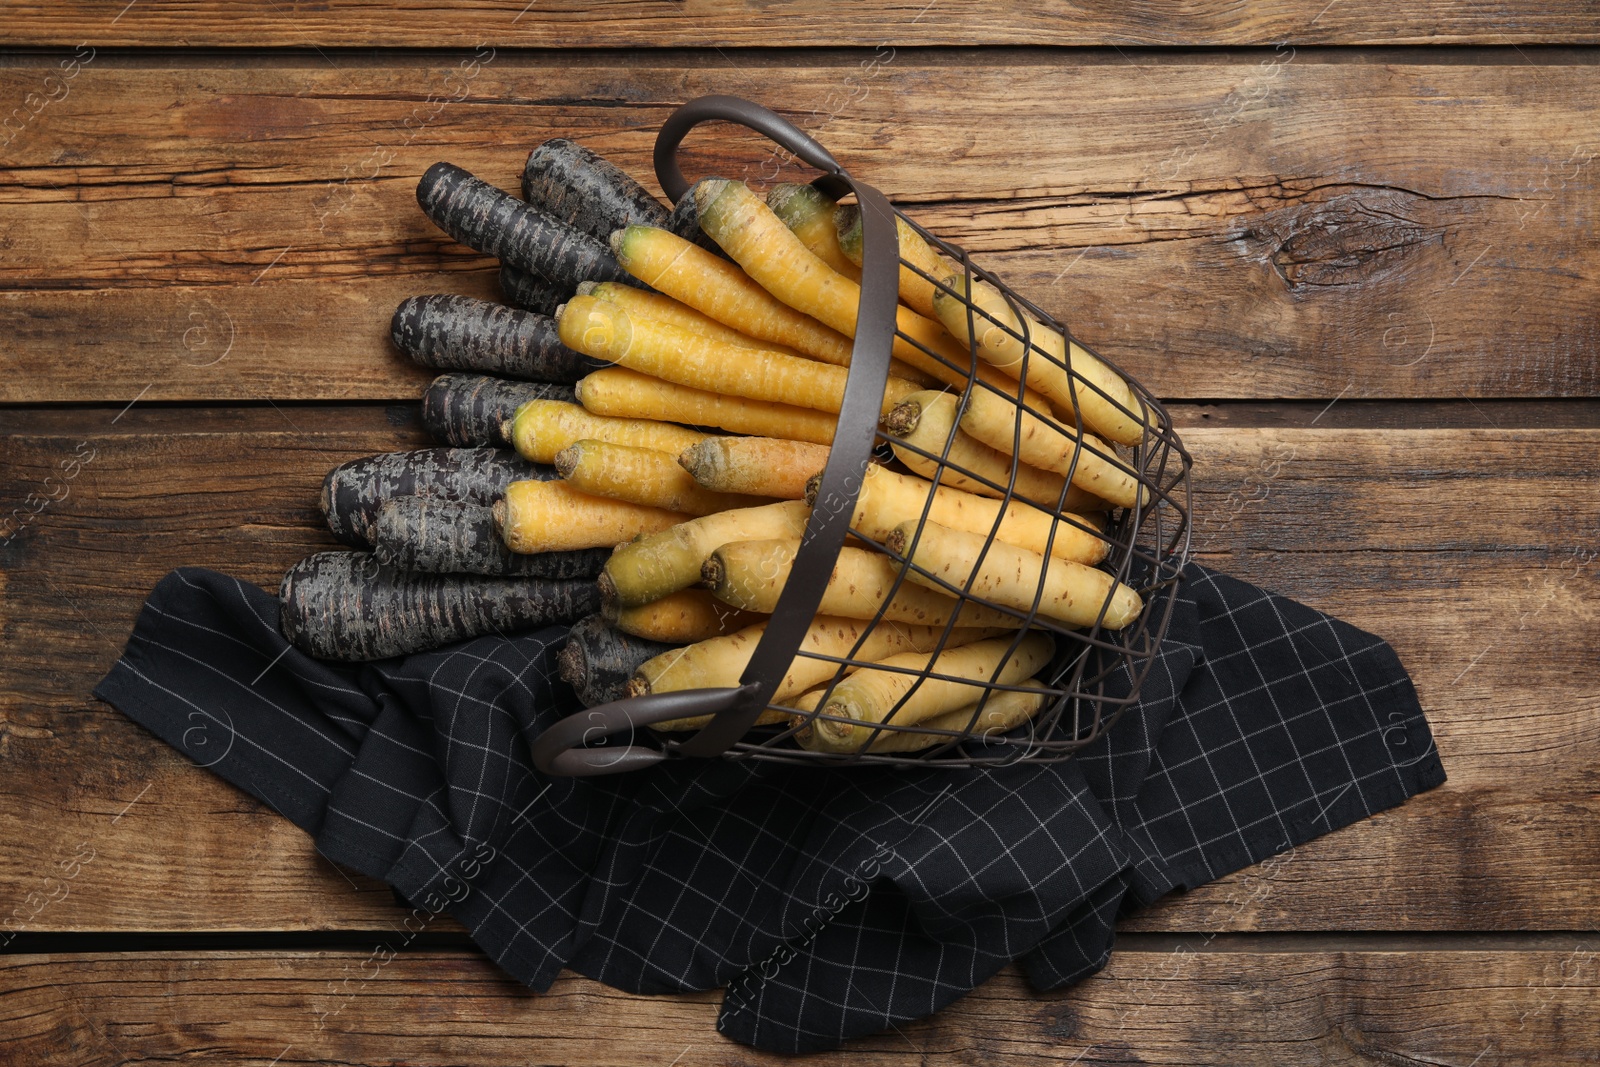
<point x="830" y="903"/>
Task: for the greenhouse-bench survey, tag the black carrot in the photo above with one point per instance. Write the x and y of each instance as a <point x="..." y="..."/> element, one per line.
<point x="352" y="492"/>
<point x="347" y="606"/>
<point x="532" y="292"/>
<point x="498" y="224"/>
<point x="597" y="661"/>
<point x="467" y="410"/>
<point x="449" y="332"/>
<point x="419" y="533"/>
<point x="586" y="191"/>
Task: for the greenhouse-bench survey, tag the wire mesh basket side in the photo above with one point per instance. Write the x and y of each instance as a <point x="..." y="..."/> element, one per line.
<point x="1095" y="672"/>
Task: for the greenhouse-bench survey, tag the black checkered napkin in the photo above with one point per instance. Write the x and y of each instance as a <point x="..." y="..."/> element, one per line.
<point x="831" y="903"/>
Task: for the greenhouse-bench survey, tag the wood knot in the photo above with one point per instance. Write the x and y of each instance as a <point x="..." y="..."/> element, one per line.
<point x="1346" y="239"/>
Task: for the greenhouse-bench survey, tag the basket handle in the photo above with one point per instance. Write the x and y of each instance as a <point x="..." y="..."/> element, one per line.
<point x="561" y="748"/>
<point x="734" y="710"/>
<point x="731" y="109"/>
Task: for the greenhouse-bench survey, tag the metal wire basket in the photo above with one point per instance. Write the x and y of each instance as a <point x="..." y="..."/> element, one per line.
<point x="1095" y="673"/>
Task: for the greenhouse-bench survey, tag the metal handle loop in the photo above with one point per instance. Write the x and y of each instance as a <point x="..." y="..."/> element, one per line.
<point x="730" y="109"/>
<point x="561" y="750"/>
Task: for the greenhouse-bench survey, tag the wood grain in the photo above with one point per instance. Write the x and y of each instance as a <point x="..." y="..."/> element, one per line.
<point x="1222" y="1002"/>
<point x="656" y="23"/>
<point x="1471" y="550"/>
<point x="1258" y="225"/>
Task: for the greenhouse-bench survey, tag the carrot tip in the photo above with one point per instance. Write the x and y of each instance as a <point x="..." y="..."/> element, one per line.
<point x="847" y="224"/>
<point x="609" y="601"/>
<point x="903" y="418"/>
<point x="707" y="191"/>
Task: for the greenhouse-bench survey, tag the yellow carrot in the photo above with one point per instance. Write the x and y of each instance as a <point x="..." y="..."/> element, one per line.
<point x="688" y="357"/>
<point x="719" y="289"/>
<point x="552" y="516"/>
<point x="669" y="560"/>
<point x="1092" y="464"/>
<point x="752" y="574"/>
<point x="760" y="466"/>
<point x="887" y="499"/>
<point x="907" y="689"/>
<point x="1118" y="414"/>
<point x="920" y="265"/>
<point x="542" y="428"/>
<point x="1012" y="577"/>
<point x="1003" y="710"/>
<point x="811" y="214"/>
<point x="650" y="305"/>
<point x="788" y="331"/>
<point x="927" y="422"/>
<point x="719" y="661"/>
<point x="641" y="476"/>
<point x="901" y="369"/>
<point x="680" y="618"/>
<point x="749" y="232"/>
<point x="622" y="393"/>
<point x="659" y="306"/>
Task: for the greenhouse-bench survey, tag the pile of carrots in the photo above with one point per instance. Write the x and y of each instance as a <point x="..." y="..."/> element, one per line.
<point x="632" y="444"/>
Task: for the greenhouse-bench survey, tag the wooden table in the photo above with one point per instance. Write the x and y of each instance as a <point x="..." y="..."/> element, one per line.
<point x="1355" y="244"/>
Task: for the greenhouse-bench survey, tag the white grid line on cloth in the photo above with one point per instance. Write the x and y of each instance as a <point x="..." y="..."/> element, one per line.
<point x="233" y="731"/>
<point x="239" y="591"/>
<point x="246" y="687"/>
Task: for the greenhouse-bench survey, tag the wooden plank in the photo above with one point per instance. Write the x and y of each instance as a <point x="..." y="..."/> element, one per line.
<point x="1278" y="225"/>
<point x="1221" y="1002"/>
<point x="1461" y="414"/>
<point x="254" y="491"/>
<point x="1487" y="591"/>
<point x="656" y="24"/>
